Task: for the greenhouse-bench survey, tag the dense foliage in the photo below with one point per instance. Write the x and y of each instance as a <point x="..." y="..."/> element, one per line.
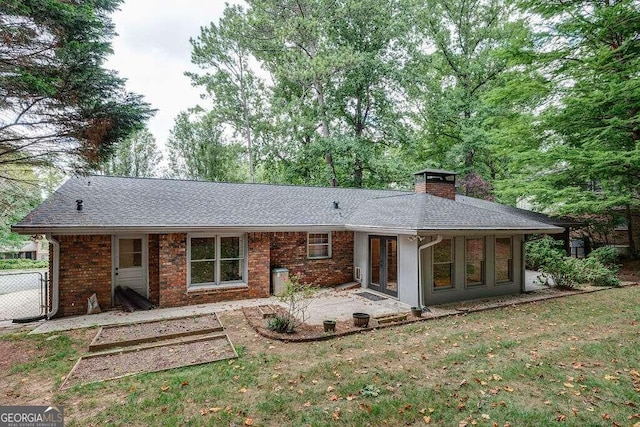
<point x="531" y="99"/>
<point x="22" y="264"/>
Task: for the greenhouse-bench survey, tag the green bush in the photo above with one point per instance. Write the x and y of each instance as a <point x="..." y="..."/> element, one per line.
<point x="606" y="255"/>
<point x="543" y="251"/>
<point x="280" y="324"/>
<point x="22" y="264"/>
<point x="565" y="272"/>
<point x="595" y="272"/>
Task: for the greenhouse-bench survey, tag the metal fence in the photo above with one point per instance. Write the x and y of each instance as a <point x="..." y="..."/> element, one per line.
<point x="23" y="294"/>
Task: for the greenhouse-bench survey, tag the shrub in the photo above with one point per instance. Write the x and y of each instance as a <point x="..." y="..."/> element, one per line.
<point x="606" y="255"/>
<point x="567" y="272"/>
<point x="280" y="323"/>
<point x="22" y="264"/>
<point x="541" y="252"/>
<point x="564" y="272"/>
<point x="597" y="273"/>
<point x="297" y="296"/>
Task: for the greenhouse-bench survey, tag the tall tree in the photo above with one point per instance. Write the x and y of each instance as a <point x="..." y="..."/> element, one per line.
<point x="196" y="150"/>
<point x="460" y="57"/>
<point x="57" y="103"/>
<point x="19" y="193"/>
<point x="333" y="67"/>
<point x="588" y="157"/>
<point x="236" y="92"/>
<point x="136" y="156"/>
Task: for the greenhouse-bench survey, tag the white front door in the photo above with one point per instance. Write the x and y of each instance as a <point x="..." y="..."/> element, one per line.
<point x="130" y="263"/>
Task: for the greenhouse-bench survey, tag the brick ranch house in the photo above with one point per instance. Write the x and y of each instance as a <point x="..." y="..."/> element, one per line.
<point x="192" y="242"/>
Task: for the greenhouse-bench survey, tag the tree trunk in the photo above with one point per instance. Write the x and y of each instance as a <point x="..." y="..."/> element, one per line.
<point x="247" y="124"/>
<point x="324" y="131"/>
<point x="630" y="230"/>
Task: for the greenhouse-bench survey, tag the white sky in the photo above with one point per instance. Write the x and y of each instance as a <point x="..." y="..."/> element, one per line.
<point x="152" y="52"/>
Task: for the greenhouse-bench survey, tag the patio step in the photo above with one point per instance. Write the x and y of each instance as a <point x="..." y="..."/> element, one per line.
<point x="391" y="318"/>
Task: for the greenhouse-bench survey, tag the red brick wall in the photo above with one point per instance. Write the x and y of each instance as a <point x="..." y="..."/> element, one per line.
<point x="85" y="268"/>
<point x="154" y="268"/>
<point x="173" y="273"/>
<point x="289" y="250"/>
<point x="446" y="190"/>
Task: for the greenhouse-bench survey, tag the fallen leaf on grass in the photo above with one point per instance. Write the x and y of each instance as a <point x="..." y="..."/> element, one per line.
<point x="426" y="419"/>
<point x="334" y="398"/>
<point x="336" y="414"/>
<point x="610" y="378"/>
<point x="507" y="388"/>
<point x="307" y="404"/>
<point x="365" y="407"/>
<point x="330" y="389"/>
<point x="486" y="416"/>
<point x="242" y="390"/>
<point x="351" y="396"/>
<point x="215" y="410"/>
<point x="568" y="385"/>
<point x="164" y="388"/>
<point x="248" y="422"/>
<point x="561" y="417"/>
<point x="606" y="416"/>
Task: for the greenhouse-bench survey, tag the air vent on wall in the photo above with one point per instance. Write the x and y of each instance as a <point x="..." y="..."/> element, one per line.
<point x="357" y="274"/>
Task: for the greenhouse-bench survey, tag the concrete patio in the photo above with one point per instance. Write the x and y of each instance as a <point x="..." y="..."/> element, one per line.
<point x="336" y="304"/>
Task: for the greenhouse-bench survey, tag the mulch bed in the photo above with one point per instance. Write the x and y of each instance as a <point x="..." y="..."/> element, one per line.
<point x="305" y="332"/>
<point x="139" y="333"/>
<point x="150" y="358"/>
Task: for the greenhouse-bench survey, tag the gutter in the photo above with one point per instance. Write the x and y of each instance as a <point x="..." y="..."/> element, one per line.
<point x="55" y="275"/>
<point x="420" y="249"/>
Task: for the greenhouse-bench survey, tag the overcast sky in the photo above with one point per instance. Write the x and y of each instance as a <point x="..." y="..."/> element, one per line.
<point x="152" y="52"/>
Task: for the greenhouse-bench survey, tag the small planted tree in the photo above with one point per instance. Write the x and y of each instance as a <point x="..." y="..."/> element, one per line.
<point x="297" y="296"/>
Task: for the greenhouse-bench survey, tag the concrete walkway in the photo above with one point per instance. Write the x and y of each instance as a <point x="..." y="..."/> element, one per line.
<point x="335" y="304"/>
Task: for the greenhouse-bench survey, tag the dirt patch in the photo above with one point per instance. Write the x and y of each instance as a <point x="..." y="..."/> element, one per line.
<point x="153" y="358"/>
<point x="138" y="333"/>
<point x="630" y="271"/>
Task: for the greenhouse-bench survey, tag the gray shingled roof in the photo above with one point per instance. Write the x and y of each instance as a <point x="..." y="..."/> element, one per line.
<point x="126" y="204"/>
<point x="534" y="216"/>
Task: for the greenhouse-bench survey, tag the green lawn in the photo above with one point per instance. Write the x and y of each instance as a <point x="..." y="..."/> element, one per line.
<point x="572" y="361"/>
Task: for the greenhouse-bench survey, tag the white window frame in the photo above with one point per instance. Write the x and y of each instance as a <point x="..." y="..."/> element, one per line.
<point x="217" y="283"/>
<point x="328" y="244"/>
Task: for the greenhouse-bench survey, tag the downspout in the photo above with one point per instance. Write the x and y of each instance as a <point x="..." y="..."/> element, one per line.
<point x="420" y="249"/>
<point x="55" y="298"/>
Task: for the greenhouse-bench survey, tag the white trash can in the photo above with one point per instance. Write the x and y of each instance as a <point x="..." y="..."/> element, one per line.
<point x="278" y="278"/>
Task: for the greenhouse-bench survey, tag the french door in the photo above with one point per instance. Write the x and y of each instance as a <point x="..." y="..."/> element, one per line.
<point x="383" y="262"/>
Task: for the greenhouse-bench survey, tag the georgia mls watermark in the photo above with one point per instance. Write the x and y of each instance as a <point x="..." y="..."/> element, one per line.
<point x="31" y="416"/>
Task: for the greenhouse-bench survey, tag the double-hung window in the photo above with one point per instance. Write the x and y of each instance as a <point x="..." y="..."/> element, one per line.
<point x="215" y="260"/>
<point x="443" y="264"/>
<point x="475" y="261"/>
<point x="318" y="245"/>
<point x="504" y="259"/>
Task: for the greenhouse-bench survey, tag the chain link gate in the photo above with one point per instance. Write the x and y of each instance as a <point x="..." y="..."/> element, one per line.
<point x="24" y="295"/>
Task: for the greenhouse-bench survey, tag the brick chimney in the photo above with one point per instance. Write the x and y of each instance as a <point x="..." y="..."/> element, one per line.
<point x="436" y="182"/>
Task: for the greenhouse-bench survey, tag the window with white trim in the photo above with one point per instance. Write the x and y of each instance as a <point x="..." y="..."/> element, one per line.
<point x="504" y="259"/>
<point x="318" y="245"/>
<point x="474" y="254"/>
<point x="216" y="260"/>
